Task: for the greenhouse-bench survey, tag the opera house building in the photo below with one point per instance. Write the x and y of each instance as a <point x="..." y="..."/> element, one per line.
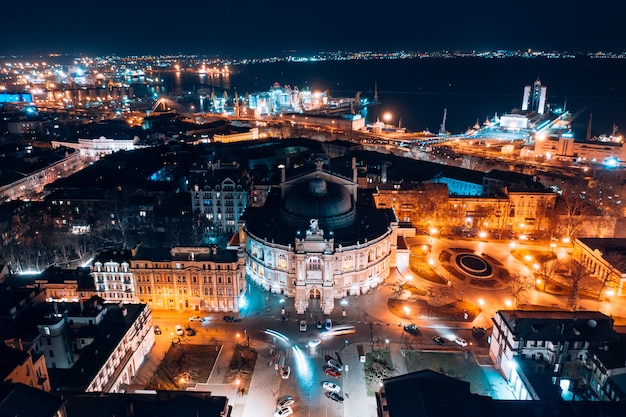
<point x="314" y="241"/>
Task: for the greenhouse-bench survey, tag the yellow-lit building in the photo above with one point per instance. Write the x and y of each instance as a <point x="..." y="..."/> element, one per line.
<point x="188" y="278"/>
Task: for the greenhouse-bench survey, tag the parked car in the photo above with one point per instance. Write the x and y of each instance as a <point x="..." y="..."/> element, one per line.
<point x="412" y="329"/>
<point x="478" y="332"/>
<point x="195" y="318"/>
<point x="303" y="325"/>
<point x="285" y="371"/>
<point x="179" y="330"/>
<point x="329" y="324"/>
<point x="286" y="401"/>
<point x="190" y="331"/>
<point x="332" y="372"/>
<point x="283" y="412"/>
<point x="330" y="386"/>
<point x="460" y="341"/>
<point x="335" y="396"/>
<point x="439" y="340"/>
<point x="334" y="364"/>
<point x="157" y="329"/>
<point x="319" y="324"/>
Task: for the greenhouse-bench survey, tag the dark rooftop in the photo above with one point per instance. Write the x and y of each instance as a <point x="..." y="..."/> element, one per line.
<point x="558" y="326"/>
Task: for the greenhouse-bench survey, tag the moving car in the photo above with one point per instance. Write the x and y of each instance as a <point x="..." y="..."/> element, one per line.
<point x="230" y="319"/>
<point x="303" y="325"/>
<point x="190" y="331"/>
<point x="157" y="329"/>
<point x="335" y="396"/>
<point x="334" y="364"/>
<point x="412" y="329"/>
<point x="179" y="330"/>
<point x="195" y="318"/>
<point x="460" y="341"/>
<point x="286" y="401"/>
<point x="319" y="324"/>
<point x="331" y="386"/>
<point x="313" y="343"/>
<point x="285" y="371"/>
<point x="439" y="340"/>
<point x="283" y="412"/>
<point x="332" y="372"/>
<point x="329" y="324"/>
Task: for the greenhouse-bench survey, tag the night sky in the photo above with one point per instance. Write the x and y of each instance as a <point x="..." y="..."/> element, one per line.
<point x="262" y="28"/>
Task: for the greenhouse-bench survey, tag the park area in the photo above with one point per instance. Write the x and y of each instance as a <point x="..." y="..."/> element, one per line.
<point x="185" y="365"/>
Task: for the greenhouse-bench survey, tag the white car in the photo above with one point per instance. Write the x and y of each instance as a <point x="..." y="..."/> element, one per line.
<point x="179" y="330"/>
<point x="333" y="363"/>
<point x="195" y="318"/>
<point x="285" y="371"/>
<point x="460" y="341"/>
<point x="286" y="401"/>
<point x="303" y="325"/>
<point x="331" y="387"/>
<point x="313" y="343"/>
<point x="283" y="412"/>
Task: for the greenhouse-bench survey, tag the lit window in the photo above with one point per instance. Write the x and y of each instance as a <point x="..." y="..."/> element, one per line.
<point x="347" y="263"/>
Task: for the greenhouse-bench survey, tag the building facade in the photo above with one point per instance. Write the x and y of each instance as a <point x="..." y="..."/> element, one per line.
<point x="312" y="242"/>
<point x="554" y="344"/>
<point x="219" y="195"/>
<point x="605" y="259"/>
<point x="188" y="278"/>
<point x="113" y="278"/>
<point x="99" y="345"/>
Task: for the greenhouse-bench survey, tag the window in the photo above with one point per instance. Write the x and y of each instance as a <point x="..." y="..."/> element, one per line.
<point x="347" y="263"/>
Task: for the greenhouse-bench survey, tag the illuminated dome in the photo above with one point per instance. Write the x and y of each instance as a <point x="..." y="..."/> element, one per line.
<point x="331" y="204"/>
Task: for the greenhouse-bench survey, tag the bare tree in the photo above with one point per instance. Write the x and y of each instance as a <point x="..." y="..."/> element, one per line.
<point x="547" y="271"/>
<point x="500" y="216"/>
<point x="378" y="371"/>
<point x="521" y="287"/>
<point x="610" y="279"/>
<point x="396" y="288"/>
<point x="579" y="279"/>
<point x="573" y="206"/>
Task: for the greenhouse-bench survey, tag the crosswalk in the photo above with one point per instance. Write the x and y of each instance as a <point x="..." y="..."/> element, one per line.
<point x="314" y="353"/>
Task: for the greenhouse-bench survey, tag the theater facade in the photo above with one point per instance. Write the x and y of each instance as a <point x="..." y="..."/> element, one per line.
<point x="315" y="242"/>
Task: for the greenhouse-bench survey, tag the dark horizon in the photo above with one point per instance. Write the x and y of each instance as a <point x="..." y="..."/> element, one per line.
<point x="40" y="27"/>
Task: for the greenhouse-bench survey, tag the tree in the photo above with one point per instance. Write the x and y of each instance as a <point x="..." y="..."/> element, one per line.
<point x="546" y="271"/>
<point x="578" y="279"/>
<point x="521" y="287"/>
<point x="378" y="371"/>
<point x="500" y="216"/>
<point x="610" y="279"/>
<point x="573" y="206"/>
